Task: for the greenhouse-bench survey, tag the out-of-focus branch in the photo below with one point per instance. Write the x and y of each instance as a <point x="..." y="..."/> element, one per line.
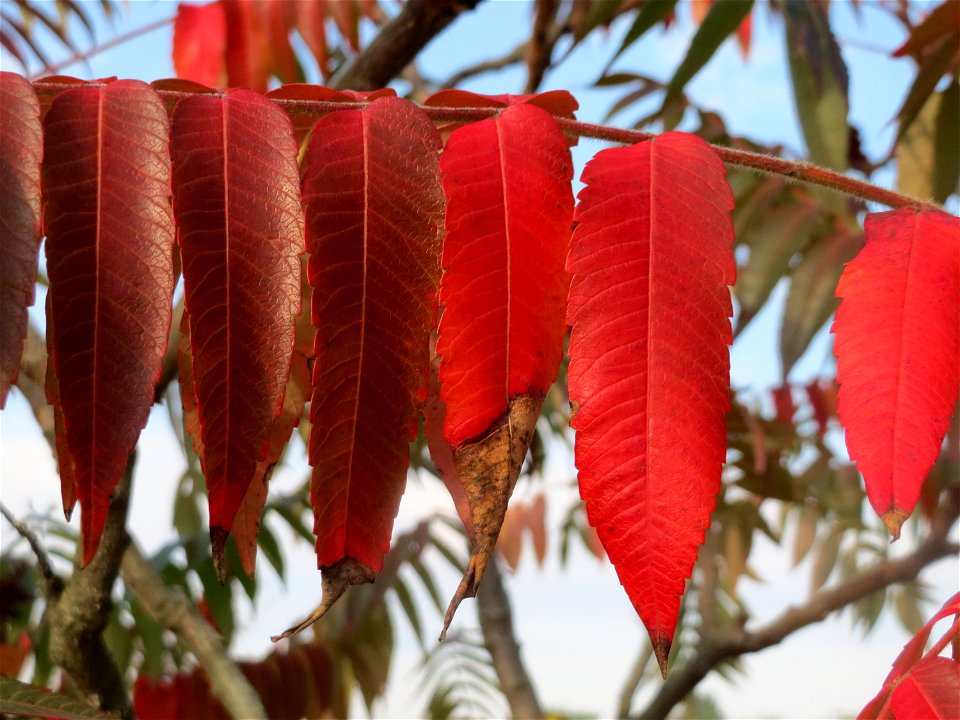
<point x="171" y="608"/>
<point x="399" y="42"/>
<point x="52" y="584"/>
<point x="492" y="65"/>
<point x="633" y="681"/>
<point x="543" y="38"/>
<point x="496" y="621"/>
<point x="80" y="614"/>
<point x="714" y="649"/>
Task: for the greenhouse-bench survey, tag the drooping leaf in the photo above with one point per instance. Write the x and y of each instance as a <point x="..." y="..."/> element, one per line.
<point x="934" y="65"/>
<point x="908" y="660"/>
<point x="648" y="15"/>
<point x="237" y="202"/>
<point x="820" y="88"/>
<point x="897" y="344"/>
<point x="374" y="210"/>
<point x="810" y="300"/>
<point x="722" y="20"/>
<point x="943" y="20"/>
<point x="946" y="162"/>
<point x="442" y="453"/>
<point x="649" y="367"/>
<point x="509" y="211"/>
<point x="773" y="242"/>
<point x="21" y="147"/>
<point x="109" y="228"/>
<point x="916" y="152"/>
<point x="199" y="43"/>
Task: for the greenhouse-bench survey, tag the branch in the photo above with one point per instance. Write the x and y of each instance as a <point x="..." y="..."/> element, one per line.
<point x="796" y="170"/>
<point x="80" y="614"/>
<point x="714" y="650"/>
<point x="510" y="58"/>
<point x="170" y="608"/>
<point x="399" y="42"/>
<point x="96" y="50"/>
<point x="52" y="584"/>
<point x="493" y="607"/>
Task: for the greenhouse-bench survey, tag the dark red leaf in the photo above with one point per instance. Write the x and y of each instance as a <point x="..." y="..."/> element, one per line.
<point x="372" y="194"/>
<point x="199" y="43"/>
<point x="649" y="367"/>
<point x="897" y="344"/>
<point x="21" y="147"/>
<point x="303" y="121"/>
<point x="508" y="220"/>
<point x="109" y="228"/>
<point x="237" y="202"/>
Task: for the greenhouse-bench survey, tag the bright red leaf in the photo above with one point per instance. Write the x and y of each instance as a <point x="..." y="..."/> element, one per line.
<point x="930" y="692"/>
<point x="199" y="43"/>
<point x="20" y="153"/>
<point x="372" y="195"/>
<point x="109" y="228"/>
<point x="237" y="203"/>
<point x="508" y="221"/>
<point x="649" y="367"/>
<point x="898" y="353"/>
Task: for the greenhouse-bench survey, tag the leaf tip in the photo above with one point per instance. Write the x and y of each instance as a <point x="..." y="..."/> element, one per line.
<point x="467" y="588"/>
<point x="894" y="520"/>
<point x="661" y="648"/>
<point x="218" y="543"/>
<point x="336" y="579"/>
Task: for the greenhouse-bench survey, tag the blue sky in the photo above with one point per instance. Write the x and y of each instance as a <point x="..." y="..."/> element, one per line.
<point x="579" y="633"/>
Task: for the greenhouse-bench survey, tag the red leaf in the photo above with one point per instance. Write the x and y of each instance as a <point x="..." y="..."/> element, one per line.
<point x="109" y="228"/>
<point x="237" y="202"/>
<point x="897" y="347"/>
<point x="199" y="43"/>
<point x="930" y="692"/>
<point x="555" y="102"/>
<point x="908" y="659"/>
<point x="303" y="121"/>
<point x="21" y="146"/>
<point x="649" y="367"/>
<point x="373" y="221"/>
<point x="509" y="213"/>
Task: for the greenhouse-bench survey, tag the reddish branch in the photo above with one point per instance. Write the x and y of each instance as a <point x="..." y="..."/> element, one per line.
<point x="796" y="170"/>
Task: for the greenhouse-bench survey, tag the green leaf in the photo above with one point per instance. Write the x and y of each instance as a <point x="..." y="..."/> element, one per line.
<point x="17" y="698"/>
<point x="409" y="609"/>
<point x="721" y="21"/>
<point x="826" y="558"/>
<point x="811" y="301"/>
<point x="934" y="66"/>
<point x="271" y="549"/>
<point x="915" y="152"/>
<point x="946" y="165"/>
<point x="820" y="87"/>
<point x="773" y="241"/>
<point x="649" y="14"/>
<point x="806" y="532"/>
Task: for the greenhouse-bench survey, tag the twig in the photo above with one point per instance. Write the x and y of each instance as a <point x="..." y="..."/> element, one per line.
<point x="716" y="649"/>
<point x="633" y="681"/>
<point x="399" y="42"/>
<point x="496" y="621"/>
<point x="170" y="608"/>
<point x="52" y="584"/>
<point x="798" y="171"/>
<point x="112" y="43"/>
<point x="543" y="39"/>
<point x="492" y="65"/>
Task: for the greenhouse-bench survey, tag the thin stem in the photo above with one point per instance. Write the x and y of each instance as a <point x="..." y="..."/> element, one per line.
<point x="950" y="635"/>
<point x="796" y="170"/>
<point x="96" y="50"/>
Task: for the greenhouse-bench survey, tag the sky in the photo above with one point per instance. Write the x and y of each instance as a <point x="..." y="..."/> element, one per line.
<point x="578" y="631"/>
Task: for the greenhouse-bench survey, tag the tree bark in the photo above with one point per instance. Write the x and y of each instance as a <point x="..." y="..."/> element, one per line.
<point x="496" y="622"/>
<point x="399" y="42"/>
